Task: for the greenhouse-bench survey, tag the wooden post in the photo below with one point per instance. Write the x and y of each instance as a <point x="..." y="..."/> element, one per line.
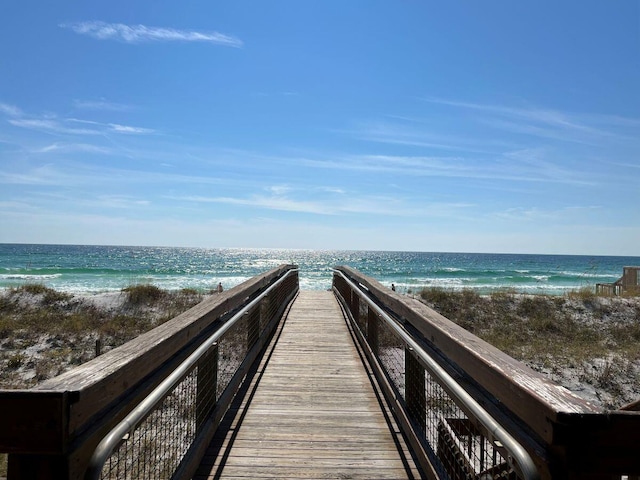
<point x="98" y="347"/>
<point x="33" y="429"/>
<point x="415" y="396"/>
<point x="355" y="305"/>
<point x="264" y="312"/>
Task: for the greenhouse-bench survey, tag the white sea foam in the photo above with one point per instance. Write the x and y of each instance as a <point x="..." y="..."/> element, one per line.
<point x="29" y="277"/>
<point x="541" y="278"/>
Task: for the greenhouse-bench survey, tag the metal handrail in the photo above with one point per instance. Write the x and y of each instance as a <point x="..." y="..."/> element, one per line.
<point x="108" y="444"/>
<point x="516" y="453"/>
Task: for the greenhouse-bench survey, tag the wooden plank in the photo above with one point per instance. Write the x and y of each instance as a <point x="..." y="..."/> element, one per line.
<point x="256" y="472"/>
<point x="314" y="413"/>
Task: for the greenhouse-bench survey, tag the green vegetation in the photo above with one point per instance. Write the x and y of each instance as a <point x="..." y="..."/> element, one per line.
<point x="597" y="336"/>
<point x="48" y="296"/>
<point x="143" y="294"/>
<point x="44" y="331"/>
<point x="576" y="326"/>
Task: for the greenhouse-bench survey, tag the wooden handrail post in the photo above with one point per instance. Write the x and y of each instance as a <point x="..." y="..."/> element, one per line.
<point x="354" y="305"/>
<point x="415" y="395"/>
<point x="265" y="308"/>
<point x="42" y="416"/>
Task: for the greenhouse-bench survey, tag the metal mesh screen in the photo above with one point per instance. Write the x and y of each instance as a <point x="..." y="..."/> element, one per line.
<point x="156" y="447"/>
<point x="232" y="348"/>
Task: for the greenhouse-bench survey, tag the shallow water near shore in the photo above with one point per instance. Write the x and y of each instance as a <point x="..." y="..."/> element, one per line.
<point x="84" y="269"/>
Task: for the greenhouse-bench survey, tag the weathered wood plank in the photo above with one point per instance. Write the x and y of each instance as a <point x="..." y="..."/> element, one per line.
<point x="303" y="472"/>
<point x="314" y="413"/>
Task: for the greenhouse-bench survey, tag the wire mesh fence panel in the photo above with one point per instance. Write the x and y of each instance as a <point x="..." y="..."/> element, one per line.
<point x="232" y="349"/>
<point x="207" y="387"/>
<point x="155" y="448"/>
<point x="391" y="355"/>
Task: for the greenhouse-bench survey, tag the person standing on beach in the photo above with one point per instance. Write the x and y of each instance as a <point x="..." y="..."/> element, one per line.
<point x="220" y="289"/>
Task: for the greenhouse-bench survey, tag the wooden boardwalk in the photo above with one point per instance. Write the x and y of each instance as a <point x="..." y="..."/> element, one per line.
<point x="311" y="411"/>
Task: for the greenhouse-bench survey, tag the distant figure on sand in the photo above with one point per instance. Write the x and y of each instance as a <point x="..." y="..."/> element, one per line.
<point x="220" y="289"/>
<point x="393" y="287"/>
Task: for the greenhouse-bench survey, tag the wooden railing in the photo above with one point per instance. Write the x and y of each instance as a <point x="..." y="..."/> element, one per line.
<point x="628" y="284"/>
<point x="564" y="435"/>
<point x="51" y="431"/>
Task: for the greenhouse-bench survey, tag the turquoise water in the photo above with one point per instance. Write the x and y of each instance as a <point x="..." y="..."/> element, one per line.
<point x="93" y="269"/>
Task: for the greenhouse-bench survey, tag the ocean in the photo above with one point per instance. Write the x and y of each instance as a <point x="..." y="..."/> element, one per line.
<point x="87" y="269"/>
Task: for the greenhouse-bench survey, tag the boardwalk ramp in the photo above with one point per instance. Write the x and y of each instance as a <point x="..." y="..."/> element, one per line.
<point x="311" y="410"/>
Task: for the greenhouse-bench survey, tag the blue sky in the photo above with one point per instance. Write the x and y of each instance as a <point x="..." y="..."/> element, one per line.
<point x="470" y="126"/>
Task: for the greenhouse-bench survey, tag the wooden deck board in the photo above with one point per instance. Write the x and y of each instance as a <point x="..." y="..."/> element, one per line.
<point x="314" y="413"/>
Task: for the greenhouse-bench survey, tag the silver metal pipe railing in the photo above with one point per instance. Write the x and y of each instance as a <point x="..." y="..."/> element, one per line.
<point x="109" y="443"/>
<point x="518" y="457"/>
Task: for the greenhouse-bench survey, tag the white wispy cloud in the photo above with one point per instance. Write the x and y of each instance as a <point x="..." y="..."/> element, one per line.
<point x="535" y="214"/>
<point x="279" y="189"/>
<point x="120" y="201"/>
<point x="546" y="122"/>
<point x="129" y="129"/>
<point x="333" y="204"/>
<point x="72" y="174"/>
<point x="10" y="110"/>
<point x="51" y="125"/>
<point x="518" y="165"/>
<point x="42" y="175"/>
<point x="73" y="147"/>
<point x="143" y="33"/>
<point x="101" y="105"/>
<point x="68" y="126"/>
<point x="267" y="202"/>
<point x="394" y="130"/>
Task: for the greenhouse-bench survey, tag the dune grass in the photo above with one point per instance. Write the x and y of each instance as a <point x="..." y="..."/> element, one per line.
<point x="144" y="294"/>
<point x="597" y="336"/>
<point x="46" y="332"/>
<point x="575" y="325"/>
<point x="37" y="309"/>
